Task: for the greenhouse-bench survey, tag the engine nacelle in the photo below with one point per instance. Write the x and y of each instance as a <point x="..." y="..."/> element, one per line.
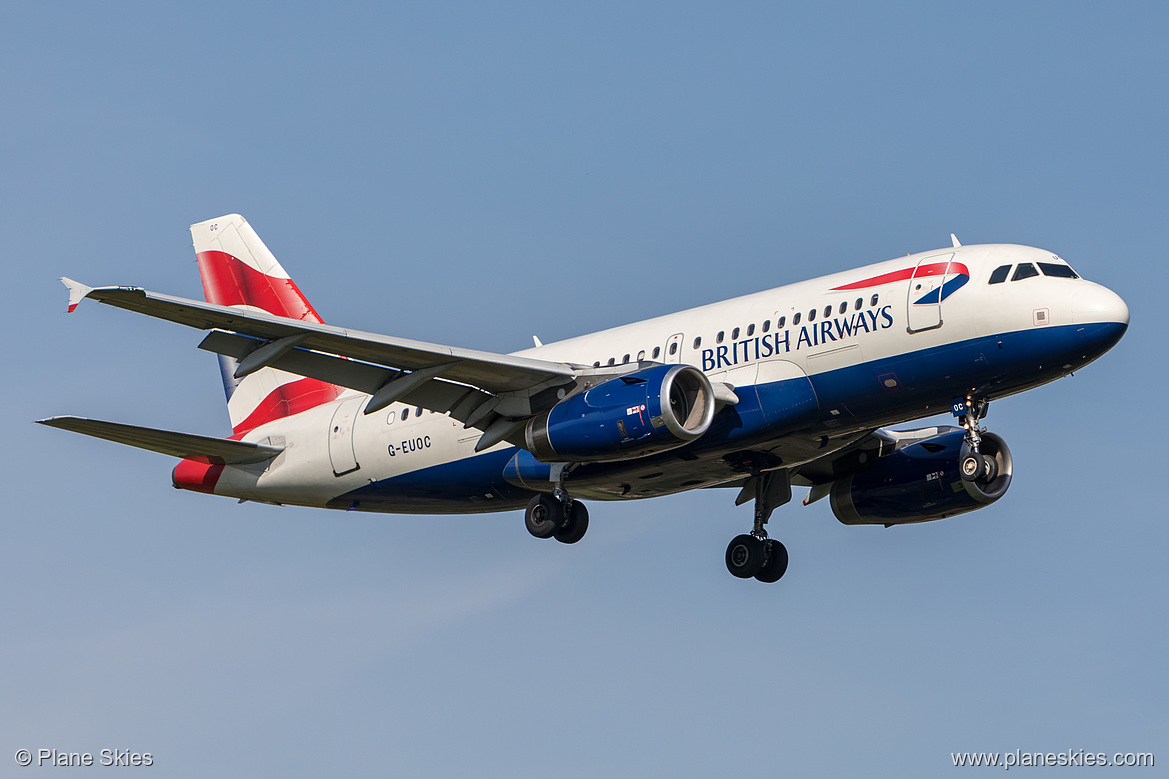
<point x="921" y="482"/>
<point x="645" y="412"/>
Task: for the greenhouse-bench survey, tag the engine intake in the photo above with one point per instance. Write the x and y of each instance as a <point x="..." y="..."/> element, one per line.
<point x="921" y="482"/>
<point x="644" y="412"/>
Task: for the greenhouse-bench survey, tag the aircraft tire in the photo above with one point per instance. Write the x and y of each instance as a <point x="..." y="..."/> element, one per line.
<point x="990" y="469"/>
<point x="973" y="467"/>
<point x="575" y="524"/>
<point x="776" y="565"/>
<point x="744" y="556"/>
<point x="544" y="516"/>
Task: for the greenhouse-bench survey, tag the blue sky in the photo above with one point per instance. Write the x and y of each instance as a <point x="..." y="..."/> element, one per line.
<point x="472" y="175"/>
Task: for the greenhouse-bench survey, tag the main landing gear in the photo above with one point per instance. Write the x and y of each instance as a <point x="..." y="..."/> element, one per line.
<point x="975" y="466"/>
<point x="754" y="555"/>
<point x="557" y="516"/>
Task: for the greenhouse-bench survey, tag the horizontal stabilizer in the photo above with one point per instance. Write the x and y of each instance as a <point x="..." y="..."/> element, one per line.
<point x="186" y="445"/>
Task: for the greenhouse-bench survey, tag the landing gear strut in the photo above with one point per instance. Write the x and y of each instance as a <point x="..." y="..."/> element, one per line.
<point x="975" y="466"/>
<point x="557" y="516"/>
<point x="754" y="555"/>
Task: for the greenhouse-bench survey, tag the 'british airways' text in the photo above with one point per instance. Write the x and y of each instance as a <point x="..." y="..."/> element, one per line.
<point x="809" y="335"/>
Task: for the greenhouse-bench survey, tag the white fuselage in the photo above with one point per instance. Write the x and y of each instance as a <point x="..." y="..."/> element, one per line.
<point x="825" y="330"/>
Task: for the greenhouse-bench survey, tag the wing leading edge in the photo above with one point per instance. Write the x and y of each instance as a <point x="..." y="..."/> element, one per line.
<point x="495" y="373"/>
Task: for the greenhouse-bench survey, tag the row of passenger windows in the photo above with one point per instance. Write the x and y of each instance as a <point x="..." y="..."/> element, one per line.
<point x="406" y="414"/>
<point x="1026" y="270"/>
<point x="780" y="323"/>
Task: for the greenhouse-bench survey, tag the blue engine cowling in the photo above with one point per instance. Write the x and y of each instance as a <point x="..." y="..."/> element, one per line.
<point x="644" y="412"/>
<point x="921" y="482"/>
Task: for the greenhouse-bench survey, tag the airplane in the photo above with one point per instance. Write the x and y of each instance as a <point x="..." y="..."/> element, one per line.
<point x="792" y="387"/>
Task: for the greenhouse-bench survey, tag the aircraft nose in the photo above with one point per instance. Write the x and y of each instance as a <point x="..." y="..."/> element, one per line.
<point x="1094" y="304"/>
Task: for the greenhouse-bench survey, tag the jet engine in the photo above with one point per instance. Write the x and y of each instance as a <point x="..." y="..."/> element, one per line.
<point x="641" y="413"/>
<point x="922" y="481"/>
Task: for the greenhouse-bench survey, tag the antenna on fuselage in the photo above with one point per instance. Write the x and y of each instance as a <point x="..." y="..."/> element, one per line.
<point x="954" y="238"/>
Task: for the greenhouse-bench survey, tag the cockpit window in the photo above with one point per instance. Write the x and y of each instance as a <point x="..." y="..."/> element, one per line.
<point x="1024" y="271"/>
<point x="1000" y="274"/>
<point x="1057" y="270"/>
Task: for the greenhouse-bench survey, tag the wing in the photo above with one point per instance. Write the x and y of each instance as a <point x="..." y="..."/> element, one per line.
<point x="185" y="445"/>
<point x="821" y="472"/>
<point x="482" y="389"/>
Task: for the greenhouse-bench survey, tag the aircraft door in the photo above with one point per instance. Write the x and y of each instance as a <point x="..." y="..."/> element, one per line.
<point x="924" y="301"/>
<point x="673" y="353"/>
<point x="341" y="453"/>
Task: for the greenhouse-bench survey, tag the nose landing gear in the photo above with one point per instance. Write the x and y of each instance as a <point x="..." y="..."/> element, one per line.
<point x="975" y="466"/>
<point x="754" y="555"/>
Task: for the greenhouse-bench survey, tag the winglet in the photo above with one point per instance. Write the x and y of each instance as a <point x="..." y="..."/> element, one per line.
<point x="954" y="238"/>
<point x="77" y="291"/>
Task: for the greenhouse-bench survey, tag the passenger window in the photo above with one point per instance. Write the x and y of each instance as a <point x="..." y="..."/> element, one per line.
<point x="827" y="311"/>
<point x="782" y="321"/>
<point x="612" y="360"/>
<point x="750" y="330"/>
<point x="844" y="307"/>
<point x="812" y="315"/>
<point x="674" y="348"/>
<point x="641" y="355"/>
<point x="1058" y="271"/>
<point x="657" y="351"/>
<point x="625" y="359"/>
<point x="1000" y="274"/>
<point x="405" y="414"/>
<point x="418" y="411"/>
<point x="390" y="418"/>
<point x="597" y="364"/>
<point x="735" y="334"/>
<point x="796" y="319"/>
<point x="859" y="302"/>
<point x="719" y="338"/>
<point x="766" y="325"/>
<point x="1025" y="271"/>
<point x="873" y="302"/>
<point x="697" y="342"/>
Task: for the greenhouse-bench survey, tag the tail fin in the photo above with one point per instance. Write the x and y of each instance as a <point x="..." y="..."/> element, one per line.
<point x="238" y="270"/>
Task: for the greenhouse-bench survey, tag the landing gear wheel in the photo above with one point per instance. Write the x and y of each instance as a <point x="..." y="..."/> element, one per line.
<point x="745" y="556"/>
<point x="991" y="469"/>
<point x="973" y="467"/>
<point x="981" y="468"/>
<point x="576" y="522"/>
<point x="776" y="565"/>
<point x="544" y="516"/>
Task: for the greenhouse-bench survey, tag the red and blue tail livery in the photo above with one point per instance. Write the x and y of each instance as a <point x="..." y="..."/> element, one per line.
<point x="793" y="387"/>
<point x="239" y="272"/>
